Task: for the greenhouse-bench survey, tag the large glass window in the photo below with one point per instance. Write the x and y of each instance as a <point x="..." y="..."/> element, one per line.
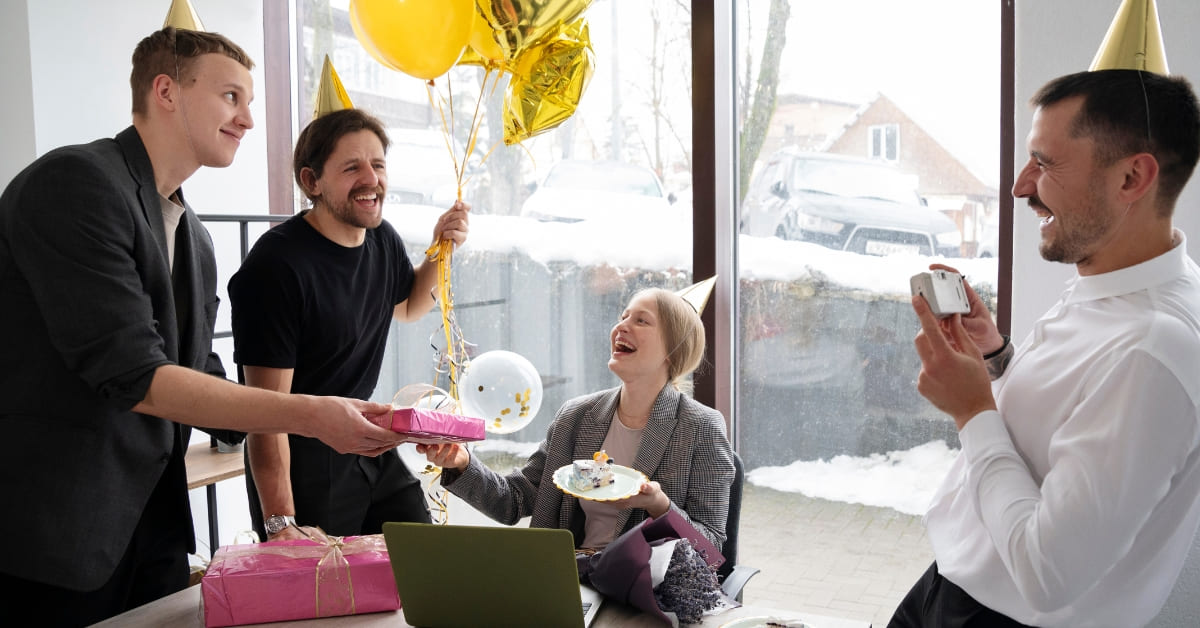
<point x="868" y="143"/>
<point x="566" y="226"/>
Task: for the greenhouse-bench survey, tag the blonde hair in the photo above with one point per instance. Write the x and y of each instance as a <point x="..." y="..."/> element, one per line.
<point x="683" y="335"/>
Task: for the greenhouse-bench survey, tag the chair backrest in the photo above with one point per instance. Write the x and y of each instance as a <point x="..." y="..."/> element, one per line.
<point x="729" y="550"/>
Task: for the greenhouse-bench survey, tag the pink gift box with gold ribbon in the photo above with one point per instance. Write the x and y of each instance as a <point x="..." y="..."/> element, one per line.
<point x="287" y="580"/>
<point x="430" y="426"/>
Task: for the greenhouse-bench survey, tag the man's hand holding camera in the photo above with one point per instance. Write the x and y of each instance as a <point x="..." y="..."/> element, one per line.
<point x="953" y="375"/>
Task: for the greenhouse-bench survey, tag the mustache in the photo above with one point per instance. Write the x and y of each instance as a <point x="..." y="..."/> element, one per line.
<point x="377" y="189"/>
<point x="1036" y="203"/>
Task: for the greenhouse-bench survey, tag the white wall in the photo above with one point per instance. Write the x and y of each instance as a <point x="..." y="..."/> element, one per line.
<point x="77" y="84"/>
<point x="1059" y="37"/>
<point x="16" y="123"/>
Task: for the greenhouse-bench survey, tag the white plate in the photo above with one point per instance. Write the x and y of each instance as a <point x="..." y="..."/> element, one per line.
<point x="765" y="622"/>
<point x="626" y="484"/>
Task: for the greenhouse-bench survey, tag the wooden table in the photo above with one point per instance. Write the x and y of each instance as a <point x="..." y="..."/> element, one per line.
<point x="183" y="610"/>
<point x="205" y="467"/>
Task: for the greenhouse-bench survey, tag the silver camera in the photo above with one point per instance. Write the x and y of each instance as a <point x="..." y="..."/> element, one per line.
<point x="943" y="290"/>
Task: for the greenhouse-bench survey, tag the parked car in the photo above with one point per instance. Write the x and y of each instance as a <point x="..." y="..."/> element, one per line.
<point x="575" y="190"/>
<point x="989" y="242"/>
<point x="845" y="203"/>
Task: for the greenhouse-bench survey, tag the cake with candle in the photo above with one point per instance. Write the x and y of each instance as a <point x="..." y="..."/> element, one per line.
<point x="591" y="474"/>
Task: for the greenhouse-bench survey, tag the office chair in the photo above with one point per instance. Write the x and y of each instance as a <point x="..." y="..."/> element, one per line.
<point x="733" y="576"/>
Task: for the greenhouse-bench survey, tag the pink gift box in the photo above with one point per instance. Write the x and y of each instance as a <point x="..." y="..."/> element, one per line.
<point x="430" y="426"/>
<point x="286" y="580"/>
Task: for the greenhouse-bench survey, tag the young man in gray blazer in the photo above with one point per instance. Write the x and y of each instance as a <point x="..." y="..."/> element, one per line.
<point x="109" y="285"/>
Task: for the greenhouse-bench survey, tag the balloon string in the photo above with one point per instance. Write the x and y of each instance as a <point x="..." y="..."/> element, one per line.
<point x="442" y="253"/>
<point x="440" y="513"/>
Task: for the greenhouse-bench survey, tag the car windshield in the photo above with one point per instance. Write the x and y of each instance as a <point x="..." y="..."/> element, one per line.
<point x="854" y="179"/>
<point x="604" y="176"/>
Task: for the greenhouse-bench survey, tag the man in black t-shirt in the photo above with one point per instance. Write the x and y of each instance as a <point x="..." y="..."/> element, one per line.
<point x="311" y="309"/>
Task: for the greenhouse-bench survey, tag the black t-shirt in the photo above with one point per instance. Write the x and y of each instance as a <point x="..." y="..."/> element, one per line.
<point x="303" y="302"/>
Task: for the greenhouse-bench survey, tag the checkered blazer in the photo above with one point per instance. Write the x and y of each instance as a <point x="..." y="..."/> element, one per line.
<point x="684" y="449"/>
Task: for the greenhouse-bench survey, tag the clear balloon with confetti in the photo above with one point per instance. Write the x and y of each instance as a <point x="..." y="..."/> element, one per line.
<point x="502" y="388"/>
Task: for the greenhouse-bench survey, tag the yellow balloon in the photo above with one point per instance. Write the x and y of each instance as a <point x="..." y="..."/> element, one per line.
<point x="470" y="57"/>
<point x="367" y="44"/>
<point x="482" y="40"/>
<point x="548" y="82"/>
<point x="520" y="24"/>
<point x="422" y="38"/>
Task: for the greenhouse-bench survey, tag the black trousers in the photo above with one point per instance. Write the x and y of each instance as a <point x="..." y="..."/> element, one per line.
<point x="154" y="565"/>
<point x="935" y="602"/>
<point x="345" y="494"/>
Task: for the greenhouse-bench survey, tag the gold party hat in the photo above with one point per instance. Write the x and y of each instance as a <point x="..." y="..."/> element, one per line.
<point x="1134" y="40"/>
<point x="183" y="15"/>
<point x="331" y="96"/>
<point x="697" y="294"/>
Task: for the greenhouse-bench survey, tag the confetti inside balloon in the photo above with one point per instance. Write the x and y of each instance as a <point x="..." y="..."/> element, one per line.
<point x="502" y="388"/>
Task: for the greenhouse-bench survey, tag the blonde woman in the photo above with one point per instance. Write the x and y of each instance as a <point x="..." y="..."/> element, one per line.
<point x="647" y="423"/>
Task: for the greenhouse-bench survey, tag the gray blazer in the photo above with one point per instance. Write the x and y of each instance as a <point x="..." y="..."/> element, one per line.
<point x="684" y="448"/>
<point x="89" y="312"/>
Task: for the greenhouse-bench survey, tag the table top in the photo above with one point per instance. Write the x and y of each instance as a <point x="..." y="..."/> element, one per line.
<point x="183" y="610"/>
<point x="206" y="466"/>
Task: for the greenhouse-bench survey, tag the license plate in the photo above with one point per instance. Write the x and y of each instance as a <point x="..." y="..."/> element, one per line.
<point x="875" y="247"/>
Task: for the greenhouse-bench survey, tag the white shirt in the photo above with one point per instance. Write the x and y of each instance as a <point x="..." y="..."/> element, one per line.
<point x="1077" y="502"/>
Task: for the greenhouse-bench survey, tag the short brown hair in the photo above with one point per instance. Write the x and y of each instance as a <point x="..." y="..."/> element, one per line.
<point x="172" y="52"/>
<point x="318" y="139"/>
<point x="683" y="335"/>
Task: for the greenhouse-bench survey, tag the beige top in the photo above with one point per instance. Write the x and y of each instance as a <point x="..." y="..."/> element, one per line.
<point x="600" y="522"/>
<point x="171" y="212"/>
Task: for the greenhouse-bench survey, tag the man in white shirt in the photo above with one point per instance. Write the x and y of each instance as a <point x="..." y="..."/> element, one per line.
<point x="1077" y="493"/>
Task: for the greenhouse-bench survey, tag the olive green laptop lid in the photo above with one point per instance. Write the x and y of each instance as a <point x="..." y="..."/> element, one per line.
<point x="470" y="576"/>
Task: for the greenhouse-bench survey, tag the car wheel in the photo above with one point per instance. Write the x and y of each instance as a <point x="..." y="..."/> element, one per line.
<point x="787" y="228"/>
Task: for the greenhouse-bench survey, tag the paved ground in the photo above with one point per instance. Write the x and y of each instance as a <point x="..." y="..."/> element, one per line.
<point x="829" y="558"/>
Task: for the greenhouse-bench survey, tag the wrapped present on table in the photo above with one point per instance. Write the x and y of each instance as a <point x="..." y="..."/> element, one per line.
<point x="432" y="427"/>
<point x="287" y="580"/>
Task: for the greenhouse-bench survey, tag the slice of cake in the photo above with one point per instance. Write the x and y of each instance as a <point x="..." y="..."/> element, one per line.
<point x="592" y="474"/>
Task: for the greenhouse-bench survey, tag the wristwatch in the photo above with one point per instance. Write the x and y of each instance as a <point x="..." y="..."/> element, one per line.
<point x="276" y="523"/>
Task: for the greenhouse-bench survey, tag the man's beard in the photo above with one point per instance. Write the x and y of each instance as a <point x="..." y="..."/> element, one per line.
<point x="1078" y="235"/>
<point x="346" y="212"/>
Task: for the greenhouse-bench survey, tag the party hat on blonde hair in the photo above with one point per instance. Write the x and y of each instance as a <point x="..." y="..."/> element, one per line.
<point x="1134" y="40"/>
<point x="331" y="96"/>
<point x="697" y="294"/>
<point x="182" y="15"/>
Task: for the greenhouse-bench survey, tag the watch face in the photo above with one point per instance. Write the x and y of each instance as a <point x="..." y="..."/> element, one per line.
<point x="275" y="524"/>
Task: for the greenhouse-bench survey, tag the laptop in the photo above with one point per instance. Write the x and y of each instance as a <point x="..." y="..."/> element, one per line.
<point x="469" y="576"/>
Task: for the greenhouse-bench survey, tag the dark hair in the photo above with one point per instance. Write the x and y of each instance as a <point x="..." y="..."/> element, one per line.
<point x="172" y="52"/>
<point x="319" y="138"/>
<point x="1127" y="112"/>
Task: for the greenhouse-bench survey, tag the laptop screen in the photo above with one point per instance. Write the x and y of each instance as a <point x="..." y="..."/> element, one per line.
<point x="468" y="576"/>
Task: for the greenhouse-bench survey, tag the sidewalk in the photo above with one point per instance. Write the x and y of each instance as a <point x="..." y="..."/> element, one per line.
<point x="829" y="558"/>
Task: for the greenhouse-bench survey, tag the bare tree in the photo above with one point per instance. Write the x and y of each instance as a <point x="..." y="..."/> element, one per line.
<point x="317" y="15"/>
<point x="754" y="129"/>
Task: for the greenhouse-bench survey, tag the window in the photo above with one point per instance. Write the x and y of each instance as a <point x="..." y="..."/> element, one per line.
<point x="885" y="142"/>
<point x="835" y="218"/>
<point x="566" y="226"/>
